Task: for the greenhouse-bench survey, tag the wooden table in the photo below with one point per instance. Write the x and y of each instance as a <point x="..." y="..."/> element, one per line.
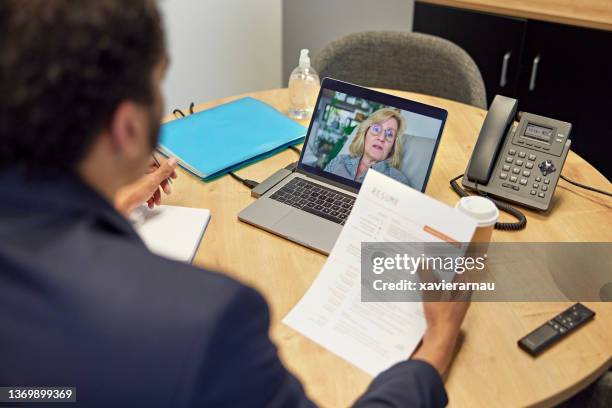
<point x="489" y="369"/>
<point x="584" y="13"/>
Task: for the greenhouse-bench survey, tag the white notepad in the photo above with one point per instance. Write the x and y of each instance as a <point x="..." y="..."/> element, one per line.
<point x="172" y="232"/>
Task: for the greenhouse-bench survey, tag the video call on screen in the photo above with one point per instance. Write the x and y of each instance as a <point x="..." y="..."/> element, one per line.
<point x="350" y="135"/>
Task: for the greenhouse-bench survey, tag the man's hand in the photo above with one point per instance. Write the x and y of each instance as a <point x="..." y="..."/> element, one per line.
<point x="443" y="323"/>
<point x="148" y="188"/>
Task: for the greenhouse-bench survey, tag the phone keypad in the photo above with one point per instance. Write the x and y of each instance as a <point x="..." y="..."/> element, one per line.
<point x="539" y="185"/>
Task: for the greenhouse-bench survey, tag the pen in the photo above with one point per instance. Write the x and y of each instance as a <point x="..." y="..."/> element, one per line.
<point x="159" y="165"/>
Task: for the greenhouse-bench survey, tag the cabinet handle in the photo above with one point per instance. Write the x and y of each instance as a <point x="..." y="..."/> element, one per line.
<point x="534" y="72"/>
<point x="503" y="79"/>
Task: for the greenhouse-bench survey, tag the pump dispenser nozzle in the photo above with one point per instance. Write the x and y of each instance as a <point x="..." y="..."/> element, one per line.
<point x="304" y="59"/>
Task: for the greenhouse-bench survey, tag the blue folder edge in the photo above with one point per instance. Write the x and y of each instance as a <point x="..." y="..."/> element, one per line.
<point x="239" y="164"/>
<point x="168" y="153"/>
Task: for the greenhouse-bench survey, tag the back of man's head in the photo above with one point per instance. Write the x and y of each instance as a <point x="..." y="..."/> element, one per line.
<point x="65" y="66"/>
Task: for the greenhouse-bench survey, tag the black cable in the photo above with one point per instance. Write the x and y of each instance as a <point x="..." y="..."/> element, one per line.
<point x="252" y="183"/>
<point x="174" y="112"/>
<point x="191" y="106"/>
<point x="249" y="183"/>
<point x="596" y="190"/>
<point x="504" y="226"/>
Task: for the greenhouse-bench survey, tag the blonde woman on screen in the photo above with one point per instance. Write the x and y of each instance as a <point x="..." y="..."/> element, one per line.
<point x="377" y="144"/>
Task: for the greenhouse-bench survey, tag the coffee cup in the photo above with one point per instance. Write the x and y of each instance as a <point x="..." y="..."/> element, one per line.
<point x="484" y="212"/>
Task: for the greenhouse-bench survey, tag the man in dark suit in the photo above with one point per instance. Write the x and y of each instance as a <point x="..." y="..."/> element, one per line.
<point x="83" y="303"/>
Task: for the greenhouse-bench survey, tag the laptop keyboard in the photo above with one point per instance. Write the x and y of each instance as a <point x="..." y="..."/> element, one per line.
<point x="315" y="199"/>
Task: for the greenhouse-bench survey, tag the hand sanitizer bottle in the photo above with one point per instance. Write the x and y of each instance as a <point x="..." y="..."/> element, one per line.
<point x="304" y="86"/>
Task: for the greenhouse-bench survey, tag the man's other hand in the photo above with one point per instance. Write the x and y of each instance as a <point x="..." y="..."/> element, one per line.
<point x="148" y="188"/>
<point x="443" y="324"/>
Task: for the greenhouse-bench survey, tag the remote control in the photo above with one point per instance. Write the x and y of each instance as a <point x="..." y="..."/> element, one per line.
<point x="557" y="328"/>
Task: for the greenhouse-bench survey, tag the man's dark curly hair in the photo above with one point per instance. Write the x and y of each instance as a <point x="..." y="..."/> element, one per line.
<point x="65" y="66"/>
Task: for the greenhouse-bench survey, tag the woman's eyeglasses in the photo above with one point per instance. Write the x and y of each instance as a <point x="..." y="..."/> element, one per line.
<point x="377" y="128"/>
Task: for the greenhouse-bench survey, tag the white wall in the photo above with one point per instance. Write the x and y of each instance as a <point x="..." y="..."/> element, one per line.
<point x="315" y="23"/>
<point x="220" y="48"/>
<point x="227" y="47"/>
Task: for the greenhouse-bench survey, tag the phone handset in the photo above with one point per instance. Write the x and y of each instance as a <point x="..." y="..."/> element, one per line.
<point x="499" y="118"/>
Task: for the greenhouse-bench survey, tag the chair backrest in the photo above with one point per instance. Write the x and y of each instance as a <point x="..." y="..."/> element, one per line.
<point x="405" y="61"/>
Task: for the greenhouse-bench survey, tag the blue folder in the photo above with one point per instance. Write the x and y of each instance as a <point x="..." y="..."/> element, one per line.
<point x="213" y="142"/>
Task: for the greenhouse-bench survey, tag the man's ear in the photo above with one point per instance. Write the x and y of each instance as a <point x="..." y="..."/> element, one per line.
<point x="127" y="130"/>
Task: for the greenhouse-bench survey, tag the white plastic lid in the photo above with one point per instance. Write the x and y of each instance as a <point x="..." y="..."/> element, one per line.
<point x="304" y="58"/>
<point x="480" y="208"/>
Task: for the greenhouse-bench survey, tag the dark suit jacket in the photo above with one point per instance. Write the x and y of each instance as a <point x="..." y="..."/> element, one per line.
<point x="83" y="303"/>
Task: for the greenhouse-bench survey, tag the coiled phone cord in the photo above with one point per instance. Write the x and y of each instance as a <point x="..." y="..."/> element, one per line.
<point x="515" y="226"/>
<point x="504" y="226"/>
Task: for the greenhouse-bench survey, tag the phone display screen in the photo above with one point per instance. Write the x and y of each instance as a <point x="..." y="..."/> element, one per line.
<point x="539" y="133"/>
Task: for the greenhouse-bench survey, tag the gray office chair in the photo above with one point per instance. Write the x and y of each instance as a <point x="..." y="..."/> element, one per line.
<point x="405" y="61"/>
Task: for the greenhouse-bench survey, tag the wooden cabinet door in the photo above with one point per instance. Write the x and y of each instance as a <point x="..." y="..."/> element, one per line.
<point x="567" y="75"/>
<point x="494" y="42"/>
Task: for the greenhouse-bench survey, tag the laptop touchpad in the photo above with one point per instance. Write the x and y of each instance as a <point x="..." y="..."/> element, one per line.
<point x="309" y="230"/>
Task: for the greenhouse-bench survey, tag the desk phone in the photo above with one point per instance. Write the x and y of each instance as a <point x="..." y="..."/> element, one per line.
<point x="518" y="162"/>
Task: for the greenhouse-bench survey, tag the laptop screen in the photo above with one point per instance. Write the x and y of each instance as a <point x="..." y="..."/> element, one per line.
<point x="354" y="129"/>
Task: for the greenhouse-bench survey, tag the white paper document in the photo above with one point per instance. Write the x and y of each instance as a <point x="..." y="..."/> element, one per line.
<point x="374" y="336"/>
<point x="172" y="232"/>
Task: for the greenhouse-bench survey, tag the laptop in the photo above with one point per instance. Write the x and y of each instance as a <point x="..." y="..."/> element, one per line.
<point x="353" y="130"/>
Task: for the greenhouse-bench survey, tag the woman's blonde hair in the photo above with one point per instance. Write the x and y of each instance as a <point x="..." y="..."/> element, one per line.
<point x="357" y="145"/>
